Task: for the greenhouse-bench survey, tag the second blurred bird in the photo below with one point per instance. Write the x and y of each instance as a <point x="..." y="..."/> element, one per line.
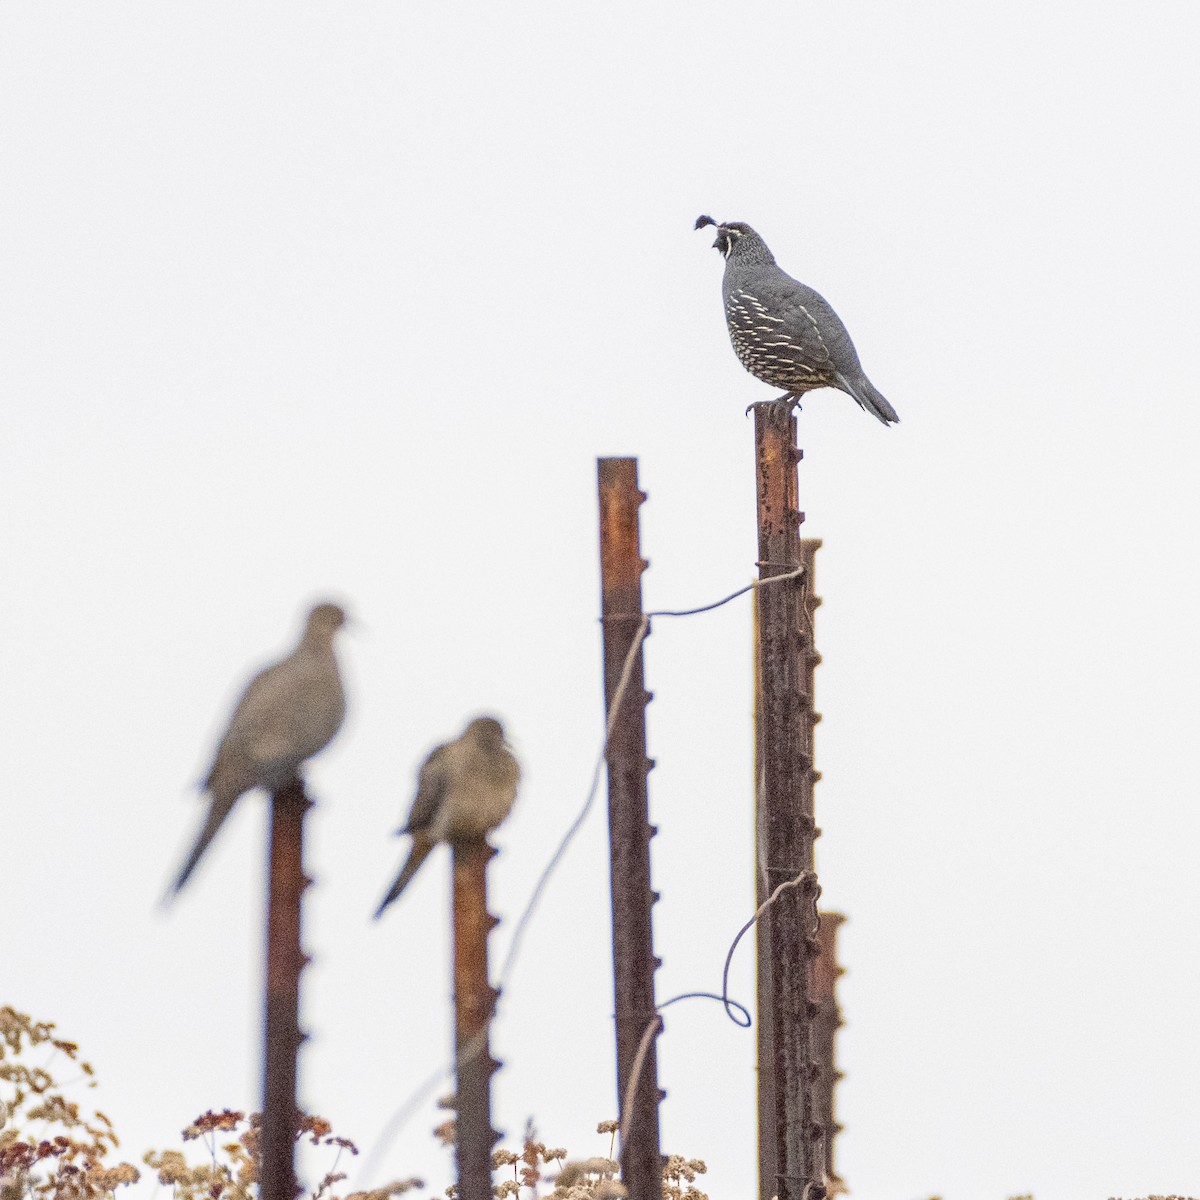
<point x="465" y="788"/>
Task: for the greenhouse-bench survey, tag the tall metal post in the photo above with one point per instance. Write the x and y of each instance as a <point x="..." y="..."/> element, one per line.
<point x="474" y="1004"/>
<point x="634" y="962"/>
<point x="790" y="1133"/>
<point x="764" y="1022"/>
<point x="285" y="961"/>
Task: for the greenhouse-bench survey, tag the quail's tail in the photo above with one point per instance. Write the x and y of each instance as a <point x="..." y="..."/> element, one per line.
<point x="217" y="813"/>
<point x="416" y="856"/>
<point x="869" y="397"/>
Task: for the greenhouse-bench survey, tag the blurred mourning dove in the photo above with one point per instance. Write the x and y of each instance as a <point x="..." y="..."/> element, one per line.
<point x="465" y="788"/>
<point x="288" y="713"/>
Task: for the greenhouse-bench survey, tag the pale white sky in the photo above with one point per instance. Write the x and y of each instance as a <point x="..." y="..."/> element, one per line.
<point x="303" y="299"/>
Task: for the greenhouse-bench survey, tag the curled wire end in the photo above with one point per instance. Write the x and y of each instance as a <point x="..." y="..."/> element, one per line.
<point x="739" y="1017"/>
<point x="739" y="1014"/>
<point x="702" y="221"/>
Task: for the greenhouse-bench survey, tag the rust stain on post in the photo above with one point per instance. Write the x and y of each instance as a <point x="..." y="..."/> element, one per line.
<point x="634" y="962"/>
<point x="829" y="1021"/>
<point x="285" y="961"/>
<point x="474" y="1004"/>
<point x="790" y="1132"/>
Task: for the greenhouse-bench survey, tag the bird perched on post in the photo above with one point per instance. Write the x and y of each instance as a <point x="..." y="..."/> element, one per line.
<point x="288" y="713"/>
<point x="465" y="788"/>
<point x="783" y="332"/>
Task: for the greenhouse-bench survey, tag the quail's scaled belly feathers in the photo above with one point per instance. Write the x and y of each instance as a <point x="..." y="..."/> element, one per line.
<point x="782" y="331"/>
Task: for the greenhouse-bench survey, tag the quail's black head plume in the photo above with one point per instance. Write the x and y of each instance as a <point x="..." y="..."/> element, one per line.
<point x="785" y="333"/>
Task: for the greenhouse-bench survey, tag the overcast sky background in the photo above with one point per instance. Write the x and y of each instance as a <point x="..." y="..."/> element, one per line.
<point x="304" y="300"/>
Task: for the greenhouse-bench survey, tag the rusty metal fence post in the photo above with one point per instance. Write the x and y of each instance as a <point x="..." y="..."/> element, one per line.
<point x="791" y="1156"/>
<point x="285" y="960"/>
<point x="634" y="962"/>
<point x="474" y="1004"/>
<point x="829" y="1021"/>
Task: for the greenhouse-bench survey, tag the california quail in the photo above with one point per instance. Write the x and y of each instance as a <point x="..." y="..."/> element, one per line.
<point x="785" y="333"/>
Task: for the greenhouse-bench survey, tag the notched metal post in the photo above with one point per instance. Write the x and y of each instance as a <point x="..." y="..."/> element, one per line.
<point x="790" y="1133"/>
<point x="285" y="961"/>
<point x="829" y="1021"/>
<point x="634" y="961"/>
<point x="474" y="1005"/>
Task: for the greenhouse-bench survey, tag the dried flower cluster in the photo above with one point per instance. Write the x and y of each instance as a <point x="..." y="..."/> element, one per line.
<point x="233" y="1166"/>
<point x="577" y="1179"/>
<point x="48" y="1151"/>
<point x="527" y="1166"/>
<point x="678" y="1176"/>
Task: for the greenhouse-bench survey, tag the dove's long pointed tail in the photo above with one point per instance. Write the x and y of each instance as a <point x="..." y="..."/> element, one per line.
<point x="869" y="397"/>
<point x="416" y="856"/>
<point x="217" y="813"/>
